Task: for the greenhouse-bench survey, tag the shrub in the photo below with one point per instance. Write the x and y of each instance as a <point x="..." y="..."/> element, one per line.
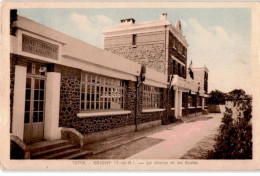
<point x="234" y="140"/>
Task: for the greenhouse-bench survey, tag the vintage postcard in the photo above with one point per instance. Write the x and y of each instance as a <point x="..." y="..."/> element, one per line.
<point x="130" y="86"/>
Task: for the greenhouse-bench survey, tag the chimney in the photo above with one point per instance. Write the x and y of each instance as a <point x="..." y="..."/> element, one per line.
<point x="163" y="16"/>
<point x="128" y="21"/>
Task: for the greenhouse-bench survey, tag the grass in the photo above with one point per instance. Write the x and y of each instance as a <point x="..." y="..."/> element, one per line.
<point x="200" y="151"/>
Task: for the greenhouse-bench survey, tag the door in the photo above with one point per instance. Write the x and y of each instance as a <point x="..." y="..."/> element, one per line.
<point x="34" y="108"/>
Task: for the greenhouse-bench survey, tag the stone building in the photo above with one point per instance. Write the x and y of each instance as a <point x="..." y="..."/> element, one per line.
<point x="64" y="88"/>
<point x="162" y="46"/>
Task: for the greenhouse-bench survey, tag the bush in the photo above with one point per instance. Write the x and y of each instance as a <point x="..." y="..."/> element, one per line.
<point x="234" y="140"/>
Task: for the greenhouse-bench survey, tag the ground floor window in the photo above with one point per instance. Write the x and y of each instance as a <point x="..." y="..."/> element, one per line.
<point x="151" y="97"/>
<point x="172" y="98"/>
<point x="101" y="92"/>
<point x="191" y="100"/>
<point x="199" y="101"/>
<point x="184" y="99"/>
<point x="205" y="101"/>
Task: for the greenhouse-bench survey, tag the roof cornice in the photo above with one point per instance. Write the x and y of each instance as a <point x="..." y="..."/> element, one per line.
<point x="132" y="28"/>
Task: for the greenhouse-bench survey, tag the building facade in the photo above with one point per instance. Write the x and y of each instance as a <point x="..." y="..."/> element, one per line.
<point x="162" y="46"/>
<point x="61" y="85"/>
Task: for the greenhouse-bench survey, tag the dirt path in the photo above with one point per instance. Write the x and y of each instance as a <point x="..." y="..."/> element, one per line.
<point x="180" y="139"/>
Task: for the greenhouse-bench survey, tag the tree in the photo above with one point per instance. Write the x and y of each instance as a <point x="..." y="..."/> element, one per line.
<point x="237" y="94"/>
<point x="216" y="97"/>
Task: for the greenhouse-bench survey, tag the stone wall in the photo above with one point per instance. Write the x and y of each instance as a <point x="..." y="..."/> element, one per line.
<point x="130" y="101"/>
<point x="147" y="50"/>
<point x="13" y="62"/>
<point x="69" y="96"/>
<point x="70" y="106"/>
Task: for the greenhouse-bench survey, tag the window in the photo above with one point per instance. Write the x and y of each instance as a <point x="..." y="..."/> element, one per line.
<point x="34" y="93"/>
<point x="184" y="51"/>
<point x="172" y="98"/>
<point x="174" y="67"/>
<point x="183" y="72"/>
<point x="194" y="100"/>
<point x="36" y="68"/>
<point x="190" y="101"/>
<point x="180" y="48"/>
<point x="206" y="82"/>
<point x="179" y="69"/>
<point x="184" y="99"/>
<point x="100" y="92"/>
<point x="151" y="97"/>
<point x="199" y="101"/>
<point x="134" y="39"/>
<point x="174" y="42"/>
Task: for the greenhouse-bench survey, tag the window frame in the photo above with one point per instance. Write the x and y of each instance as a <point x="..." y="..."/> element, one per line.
<point x="101" y="87"/>
<point x="174" y="42"/>
<point x="134" y="39"/>
<point x="151" y="97"/>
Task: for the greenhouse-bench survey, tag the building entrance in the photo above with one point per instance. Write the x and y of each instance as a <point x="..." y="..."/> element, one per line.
<point x="34" y="103"/>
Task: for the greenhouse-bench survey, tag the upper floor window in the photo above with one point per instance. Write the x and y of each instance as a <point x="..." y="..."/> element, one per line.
<point x="173" y="67"/>
<point x="183" y="71"/>
<point x="180" y="48"/>
<point x="100" y="92"/>
<point x="184" y="51"/>
<point x="151" y="97"/>
<point x="175" y="42"/>
<point x="206" y="82"/>
<point x="134" y="39"/>
<point x="179" y="69"/>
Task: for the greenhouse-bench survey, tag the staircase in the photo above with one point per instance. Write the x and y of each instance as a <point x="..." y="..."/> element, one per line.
<point x="59" y="149"/>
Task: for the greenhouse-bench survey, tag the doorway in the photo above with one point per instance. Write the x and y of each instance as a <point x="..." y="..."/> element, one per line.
<point x="34" y="103"/>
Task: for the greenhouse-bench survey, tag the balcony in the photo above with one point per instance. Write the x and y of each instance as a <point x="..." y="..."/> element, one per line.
<point x="186" y="84"/>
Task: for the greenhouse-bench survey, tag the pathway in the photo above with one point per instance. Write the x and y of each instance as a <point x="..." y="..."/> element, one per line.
<point x="179" y="139"/>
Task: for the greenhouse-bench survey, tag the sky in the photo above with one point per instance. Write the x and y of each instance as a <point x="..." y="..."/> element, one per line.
<point x="219" y="38"/>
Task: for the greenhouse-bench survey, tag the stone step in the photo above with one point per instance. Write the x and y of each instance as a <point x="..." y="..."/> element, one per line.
<point x="45" y="145"/>
<point x="51" y="151"/>
<point x="79" y="155"/>
<point x="62" y="154"/>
